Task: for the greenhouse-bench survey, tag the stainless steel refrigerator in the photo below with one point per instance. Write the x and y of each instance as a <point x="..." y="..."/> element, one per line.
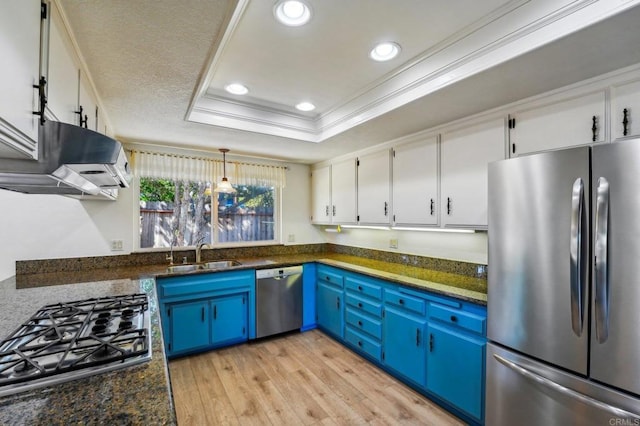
<point x="564" y="288"/>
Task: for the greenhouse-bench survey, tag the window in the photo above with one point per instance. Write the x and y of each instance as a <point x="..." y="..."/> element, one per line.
<point x="182" y="211"/>
<point x="177" y="205"/>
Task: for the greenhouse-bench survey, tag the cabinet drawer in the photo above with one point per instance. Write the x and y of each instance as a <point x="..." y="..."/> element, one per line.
<point x="330" y="276"/>
<point x="203" y="283"/>
<point x="373" y="308"/>
<point x="365" y="324"/>
<point x="466" y="320"/>
<point x="408" y="303"/>
<point x="356" y="286"/>
<point x="366" y="345"/>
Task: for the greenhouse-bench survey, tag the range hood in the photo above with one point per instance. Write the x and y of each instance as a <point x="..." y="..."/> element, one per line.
<point x="72" y="161"/>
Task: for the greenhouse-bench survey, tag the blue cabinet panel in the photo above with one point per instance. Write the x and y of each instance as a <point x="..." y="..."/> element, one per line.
<point x="308" y="296"/>
<point x="364" y="324"/>
<point x="456" y="368"/>
<point x="370" y="347"/>
<point x="330" y="275"/>
<point x="363" y="286"/>
<point x="404" y="345"/>
<point x="229" y="319"/>
<point x="189" y="326"/>
<point x="330" y="309"/>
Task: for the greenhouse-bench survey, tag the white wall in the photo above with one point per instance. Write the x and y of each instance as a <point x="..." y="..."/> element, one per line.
<point x="443" y="245"/>
<point x="53" y="226"/>
<point x="296" y="208"/>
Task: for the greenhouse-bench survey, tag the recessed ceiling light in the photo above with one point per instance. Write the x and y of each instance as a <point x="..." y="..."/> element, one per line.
<point x="292" y="12"/>
<point x="305" y="106"/>
<point x="385" y="51"/>
<point x="236" y="89"/>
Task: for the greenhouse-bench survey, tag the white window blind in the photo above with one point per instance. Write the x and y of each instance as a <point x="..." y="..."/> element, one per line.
<point x="159" y="165"/>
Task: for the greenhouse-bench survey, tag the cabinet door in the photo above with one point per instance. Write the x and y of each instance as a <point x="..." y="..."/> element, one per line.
<point x="88" y="104"/>
<point x="559" y="125"/>
<point x="343" y="192"/>
<point x="321" y="195"/>
<point x="466" y="154"/>
<point x="189" y="323"/>
<point x="62" y="87"/>
<point x="20" y="53"/>
<point x="229" y="319"/>
<point x="404" y="347"/>
<point x="415" y="183"/>
<point x="625" y="97"/>
<point x="455" y="369"/>
<point x="374" y="180"/>
<point x="330" y="309"/>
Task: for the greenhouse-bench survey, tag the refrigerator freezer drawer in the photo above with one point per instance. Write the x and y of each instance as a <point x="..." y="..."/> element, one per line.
<point x="522" y="391"/>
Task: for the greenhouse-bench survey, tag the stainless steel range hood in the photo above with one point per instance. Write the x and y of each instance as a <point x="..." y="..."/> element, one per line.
<point x="72" y="161"/>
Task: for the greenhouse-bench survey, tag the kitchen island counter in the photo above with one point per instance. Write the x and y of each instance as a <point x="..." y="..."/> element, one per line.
<point x="133" y="395"/>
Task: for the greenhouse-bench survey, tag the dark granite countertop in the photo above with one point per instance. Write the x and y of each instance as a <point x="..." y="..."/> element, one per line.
<point x="134" y="395"/>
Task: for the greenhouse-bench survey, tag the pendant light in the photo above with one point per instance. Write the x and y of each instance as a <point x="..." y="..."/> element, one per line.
<point x="224" y="186"/>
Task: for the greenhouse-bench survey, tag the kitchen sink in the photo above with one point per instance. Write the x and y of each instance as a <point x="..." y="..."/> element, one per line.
<point x="190" y="267"/>
<point x="220" y="264"/>
<point x="182" y="268"/>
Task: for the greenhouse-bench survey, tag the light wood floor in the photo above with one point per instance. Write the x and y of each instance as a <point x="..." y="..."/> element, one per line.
<point x="299" y="379"/>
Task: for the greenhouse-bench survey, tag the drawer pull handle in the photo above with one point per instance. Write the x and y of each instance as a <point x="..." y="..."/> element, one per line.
<point x="401" y="301"/>
<point x="417" y="337"/>
<point x="338" y="302"/>
<point x="215" y="311"/>
<point x="359" y="305"/>
<point x="202" y="315"/>
<point x="430" y="342"/>
<point x="360" y="323"/>
<point x="454" y="318"/>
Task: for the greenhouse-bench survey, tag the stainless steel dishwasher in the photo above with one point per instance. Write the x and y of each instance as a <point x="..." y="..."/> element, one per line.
<point x="278" y="300"/>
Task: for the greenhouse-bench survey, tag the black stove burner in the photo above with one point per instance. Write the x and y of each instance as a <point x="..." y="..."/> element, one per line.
<point x="102" y="321"/>
<point x="99" y="329"/>
<point x="125" y="325"/>
<point x="127" y="313"/>
<point x="104" y="315"/>
<point x="105" y="351"/>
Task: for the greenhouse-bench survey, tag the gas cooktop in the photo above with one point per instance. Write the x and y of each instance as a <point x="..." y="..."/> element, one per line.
<point x="67" y="341"/>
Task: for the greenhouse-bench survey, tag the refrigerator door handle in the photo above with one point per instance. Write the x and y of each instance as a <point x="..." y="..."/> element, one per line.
<point x="577" y="257"/>
<point x="601" y="261"/>
<point x="563" y="390"/>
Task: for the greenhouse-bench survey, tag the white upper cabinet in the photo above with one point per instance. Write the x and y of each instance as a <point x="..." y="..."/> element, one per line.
<point x="88" y="106"/>
<point x="625" y="110"/>
<point x="63" y="75"/>
<point x="415" y="183"/>
<point x="321" y="195"/>
<point x="20" y="23"/>
<point x="343" y="192"/>
<point x="566" y="123"/>
<point x="374" y="178"/>
<point x="465" y="155"/>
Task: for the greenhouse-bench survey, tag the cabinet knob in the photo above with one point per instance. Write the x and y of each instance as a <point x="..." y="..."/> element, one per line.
<point x="359" y="343"/>
<point x="454" y="318"/>
<point x="359" y="288"/>
<point x="359" y="305"/>
<point x="360" y="323"/>
<point x="401" y="301"/>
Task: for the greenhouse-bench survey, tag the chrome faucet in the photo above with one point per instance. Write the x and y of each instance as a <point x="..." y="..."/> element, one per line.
<point x="199" y="251"/>
<point x="170" y="257"/>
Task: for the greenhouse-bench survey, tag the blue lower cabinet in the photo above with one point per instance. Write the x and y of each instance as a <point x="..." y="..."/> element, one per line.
<point x="204" y="311"/>
<point x="188" y="326"/>
<point x="404" y="345"/>
<point x="229" y="319"/>
<point x="456" y="368"/>
<point x="329" y="309"/>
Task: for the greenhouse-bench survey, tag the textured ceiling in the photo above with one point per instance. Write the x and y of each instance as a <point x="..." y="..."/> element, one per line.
<point x="146" y="58"/>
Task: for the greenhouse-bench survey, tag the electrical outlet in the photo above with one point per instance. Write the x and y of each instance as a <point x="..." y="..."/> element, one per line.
<point x="393" y="243"/>
<point x="116" y="245"/>
<point x="292" y="238"/>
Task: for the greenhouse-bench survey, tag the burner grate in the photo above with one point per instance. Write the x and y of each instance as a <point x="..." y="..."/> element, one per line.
<point x="62" y="339"/>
